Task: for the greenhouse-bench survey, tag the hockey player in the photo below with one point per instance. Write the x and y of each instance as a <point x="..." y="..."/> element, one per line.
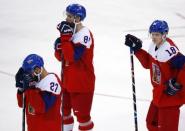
<point x="167" y="71"/>
<point x="42" y="91"/>
<point x="74" y="48"/>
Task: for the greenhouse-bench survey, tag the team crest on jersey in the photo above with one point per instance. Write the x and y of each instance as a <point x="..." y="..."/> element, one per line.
<point x="156" y="74"/>
<point x="31" y="110"/>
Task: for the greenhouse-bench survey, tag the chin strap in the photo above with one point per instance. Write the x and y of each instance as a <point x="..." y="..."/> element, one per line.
<point x="76" y="23"/>
<point x="39" y="74"/>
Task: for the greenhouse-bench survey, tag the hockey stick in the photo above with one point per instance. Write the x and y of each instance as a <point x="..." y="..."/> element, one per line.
<point x="62" y="98"/>
<point x="23" y="112"/>
<point x="62" y="111"/>
<point x="133" y="88"/>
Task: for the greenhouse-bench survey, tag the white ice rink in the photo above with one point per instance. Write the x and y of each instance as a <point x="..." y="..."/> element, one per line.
<point x="29" y="26"/>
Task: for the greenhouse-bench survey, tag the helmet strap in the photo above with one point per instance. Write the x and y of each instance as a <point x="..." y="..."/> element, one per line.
<point x="39" y="74"/>
<point x="76" y="23"/>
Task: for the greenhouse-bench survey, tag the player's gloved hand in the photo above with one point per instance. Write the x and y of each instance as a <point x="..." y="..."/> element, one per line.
<point x="58" y="49"/>
<point x="29" y="81"/>
<point x="133" y="42"/>
<point x="172" y="87"/>
<point x="66" y="30"/>
<point x="57" y="44"/>
<point x="24" y="80"/>
<point x="19" y="79"/>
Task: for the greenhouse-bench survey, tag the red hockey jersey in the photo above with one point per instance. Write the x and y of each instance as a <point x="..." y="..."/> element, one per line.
<point x="161" y="70"/>
<point x="77" y="63"/>
<point x="38" y="116"/>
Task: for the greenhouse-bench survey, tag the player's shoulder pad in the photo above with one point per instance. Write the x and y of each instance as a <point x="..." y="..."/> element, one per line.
<point x="167" y="51"/>
<point x="50" y="83"/>
<point x="83" y="37"/>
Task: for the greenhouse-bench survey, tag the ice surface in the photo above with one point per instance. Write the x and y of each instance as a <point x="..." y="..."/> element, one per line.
<point x="29" y="26"/>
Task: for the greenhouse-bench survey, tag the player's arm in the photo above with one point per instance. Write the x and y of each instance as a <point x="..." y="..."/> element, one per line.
<point x="23" y="81"/>
<point x="63" y="45"/>
<point x="174" y="85"/>
<point x="178" y="63"/>
<point x="67" y="50"/>
<point x="71" y="51"/>
<point x="25" y="84"/>
<point x="143" y="57"/>
<point x="135" y="44"/>
<point x="19" y="98"/>
<point x="49" y="99"/>
<point x="79" y="50"/>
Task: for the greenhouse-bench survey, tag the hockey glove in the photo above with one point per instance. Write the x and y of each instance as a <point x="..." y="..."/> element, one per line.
<point x="19" y="79"/>
<point x="57" y="44"/>
<point x="133" y="42"/>
<point x="24" y="80"/>
<point x="66" y="30"/>
<point x="58" y="49"/>
<point x="29" y="81"/>
<point x="172" y="87"/>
